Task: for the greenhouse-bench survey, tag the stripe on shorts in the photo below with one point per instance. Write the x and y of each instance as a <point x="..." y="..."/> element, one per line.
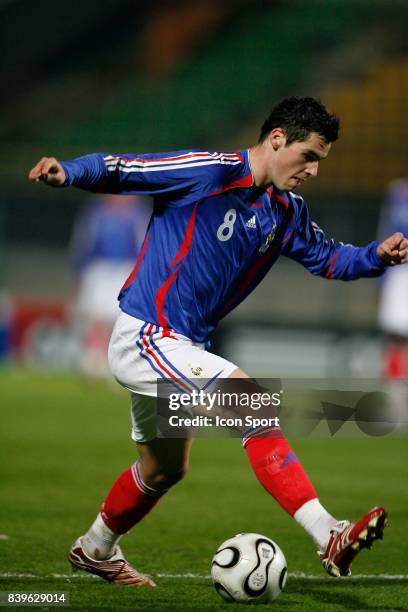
<point x="151" y="356"/>
<point x="165" y="359"/>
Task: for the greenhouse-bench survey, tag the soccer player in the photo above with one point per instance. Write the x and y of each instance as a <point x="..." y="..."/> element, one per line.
<point x="220" y="222"/>
<point x="107" y="236"/>
<point x="393" y="310"/>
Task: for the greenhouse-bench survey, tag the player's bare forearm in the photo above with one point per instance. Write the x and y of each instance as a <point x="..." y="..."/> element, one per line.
<point x="48" y="170"/>
<point x="394" y="249"/>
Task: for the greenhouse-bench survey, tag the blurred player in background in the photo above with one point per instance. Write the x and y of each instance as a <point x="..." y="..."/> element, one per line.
<point x="220" y="221"/>
<point x="108" y="234"/>
<point x="393" y="306"/>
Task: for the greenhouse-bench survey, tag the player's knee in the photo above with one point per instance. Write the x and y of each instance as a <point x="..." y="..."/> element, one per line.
<point x="174" y="476"/>
<point x="164" y="478"/>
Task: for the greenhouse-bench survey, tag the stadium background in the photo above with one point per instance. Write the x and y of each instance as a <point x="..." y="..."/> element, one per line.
<point x="81" y="77"/>
<point x="203" y="74"/>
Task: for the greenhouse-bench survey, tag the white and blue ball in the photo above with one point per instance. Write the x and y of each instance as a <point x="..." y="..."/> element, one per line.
<point x="249" y="568"/>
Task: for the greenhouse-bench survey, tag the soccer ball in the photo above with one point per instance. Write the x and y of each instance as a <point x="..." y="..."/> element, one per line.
<point x="249" y="568"/>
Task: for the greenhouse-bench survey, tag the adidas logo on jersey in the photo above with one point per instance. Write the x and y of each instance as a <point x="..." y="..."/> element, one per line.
<point x="251" y="222"/>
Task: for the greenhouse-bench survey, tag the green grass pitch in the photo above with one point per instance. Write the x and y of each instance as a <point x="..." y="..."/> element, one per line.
<point x="62" y="443"/>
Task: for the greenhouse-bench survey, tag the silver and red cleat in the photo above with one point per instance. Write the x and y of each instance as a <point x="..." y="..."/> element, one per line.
<point x="115" y="569"/>
<point x="347" y="539"/>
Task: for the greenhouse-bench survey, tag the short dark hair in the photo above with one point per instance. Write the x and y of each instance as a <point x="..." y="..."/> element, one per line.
<point x="298" y="117"/>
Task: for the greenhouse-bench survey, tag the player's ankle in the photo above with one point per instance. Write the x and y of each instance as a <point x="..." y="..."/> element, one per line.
<point x="99" y="541"/>
<point x="316" y="521"/>
<point x="93" y="551"/>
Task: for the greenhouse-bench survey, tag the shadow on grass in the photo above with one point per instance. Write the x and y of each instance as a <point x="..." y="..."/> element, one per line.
<point x="335" y="592"/>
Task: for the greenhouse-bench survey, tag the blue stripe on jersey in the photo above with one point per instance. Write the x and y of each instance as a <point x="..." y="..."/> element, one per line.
<point x="172" y="161"/>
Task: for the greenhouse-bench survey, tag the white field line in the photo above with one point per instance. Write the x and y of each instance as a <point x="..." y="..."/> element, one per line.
<point x="301" y="575"/>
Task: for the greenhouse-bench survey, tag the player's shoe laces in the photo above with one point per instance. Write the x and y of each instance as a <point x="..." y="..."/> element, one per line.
<point x="347" y="539"/>
<point x="115" y="569"/>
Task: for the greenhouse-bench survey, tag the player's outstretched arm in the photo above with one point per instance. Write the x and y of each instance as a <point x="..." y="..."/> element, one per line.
<point x="48" y="170"/>
<point x="394" y="249"/>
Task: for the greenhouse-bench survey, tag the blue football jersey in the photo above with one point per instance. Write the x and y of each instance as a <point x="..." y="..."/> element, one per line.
<point x="213" y="235"/>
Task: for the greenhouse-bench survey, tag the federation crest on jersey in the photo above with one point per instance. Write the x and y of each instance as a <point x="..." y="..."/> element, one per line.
<point x="269" y="239"/>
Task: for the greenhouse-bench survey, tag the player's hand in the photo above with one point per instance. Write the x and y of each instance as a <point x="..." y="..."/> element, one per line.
<point x="394" y="250"/>
<point x="48" y="170"/>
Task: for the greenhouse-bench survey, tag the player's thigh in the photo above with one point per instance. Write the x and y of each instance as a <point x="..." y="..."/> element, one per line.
<point x="140" y="355"/>
<point x="238" y="373"/>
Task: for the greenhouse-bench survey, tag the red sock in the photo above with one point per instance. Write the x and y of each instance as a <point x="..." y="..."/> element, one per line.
<point x="396" y="361"/>
<point x="280" y="472"/>
<point x="128" y="501"/>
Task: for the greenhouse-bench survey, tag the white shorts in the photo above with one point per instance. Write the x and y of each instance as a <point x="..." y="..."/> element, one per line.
<point x="99" y="287"/>
<point x="139" y="354"/>
<point x="393" y="307"/>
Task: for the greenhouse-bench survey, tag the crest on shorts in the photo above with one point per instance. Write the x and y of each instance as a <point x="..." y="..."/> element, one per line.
<point x="197" y="371"/>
